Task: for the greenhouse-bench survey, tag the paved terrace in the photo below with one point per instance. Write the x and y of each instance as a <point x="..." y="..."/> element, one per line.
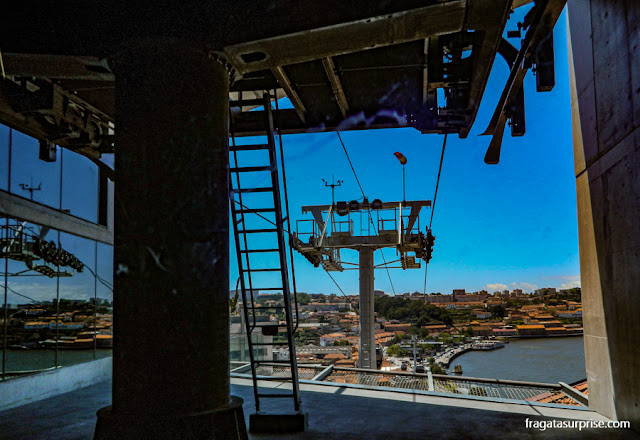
<point x="335" y="412"/>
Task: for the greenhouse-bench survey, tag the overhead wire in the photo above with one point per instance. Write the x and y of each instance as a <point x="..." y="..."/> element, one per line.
<point x="433" y="206"/>
<point x="370" y="216"/>
<point x="16" y="293"/>
<point x="435" y="195"/>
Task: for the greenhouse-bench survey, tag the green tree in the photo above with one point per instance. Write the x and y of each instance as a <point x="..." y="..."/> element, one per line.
<point x="497" y="311"/>
<point x="396" y="350"/>
<point x="303" y="298"/>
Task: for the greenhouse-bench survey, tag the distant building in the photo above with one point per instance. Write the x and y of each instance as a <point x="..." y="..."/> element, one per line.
<point x="481" y="330"/>
<point x="36" y="325"/>
<point x="469" y="298"/>
<point x="481" y="314"/>
<point x="330" y="338"/>
<point x="545" y="291"/>
<point x="439" y="298"/>
<point x="531" y="330"/>
<point x="396" y="327"/>
<point x="504" y="332"/>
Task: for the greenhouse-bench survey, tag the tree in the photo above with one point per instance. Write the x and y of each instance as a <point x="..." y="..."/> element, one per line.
<point x="233" y="303"/>
<point x="497" y="311"/>
<point x="396" y="350"/>
<point x="437" y="369"/>
<point x="303" y="298"/>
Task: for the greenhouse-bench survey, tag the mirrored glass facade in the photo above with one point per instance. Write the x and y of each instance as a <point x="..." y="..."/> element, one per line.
<point x="56" y="289"/>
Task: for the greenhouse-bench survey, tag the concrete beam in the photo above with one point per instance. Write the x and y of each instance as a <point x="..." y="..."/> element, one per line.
<point x="56" y="66"/>
<point x="20" y="208"/>
<point x="293" y="96"/>
<point x="370" y="33"/>
<point x="605" y="104"/>
<point x="336" y="85"/>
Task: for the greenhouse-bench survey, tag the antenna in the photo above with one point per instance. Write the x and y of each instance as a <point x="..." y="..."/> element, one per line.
<point x="333" y="186"/>
<point x="30" y="187"/>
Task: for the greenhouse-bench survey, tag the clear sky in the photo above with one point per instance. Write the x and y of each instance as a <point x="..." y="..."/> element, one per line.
<point x="496" y="226"/>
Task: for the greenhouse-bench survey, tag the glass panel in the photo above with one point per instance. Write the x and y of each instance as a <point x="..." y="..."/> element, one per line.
<point x="4" y="157"/>
<point x="79" y="186"/>
<point x="109" y="159"/>
<point x="31" y="177"/>
<point x="77" y="296"/>
<point x="104" y="293"/>
<point x="31" y="293"/>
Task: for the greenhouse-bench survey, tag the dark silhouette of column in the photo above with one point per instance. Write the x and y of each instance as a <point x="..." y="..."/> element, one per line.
<point x="171" y="257"/>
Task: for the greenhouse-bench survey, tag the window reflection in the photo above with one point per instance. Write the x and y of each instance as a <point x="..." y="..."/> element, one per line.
<point x="31" y="177"/>
<point x="4" y="157"/>
<point x="30" y="304"/>
<point x="79" y="186"/>
<point x="56" y="314"/>
<point x="77" y="303"/>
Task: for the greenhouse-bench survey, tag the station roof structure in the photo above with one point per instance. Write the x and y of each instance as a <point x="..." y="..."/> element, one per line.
<point x="343" y="65"/>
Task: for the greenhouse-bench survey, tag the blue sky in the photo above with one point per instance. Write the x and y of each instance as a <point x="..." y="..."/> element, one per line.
<point x="497" y="226"/>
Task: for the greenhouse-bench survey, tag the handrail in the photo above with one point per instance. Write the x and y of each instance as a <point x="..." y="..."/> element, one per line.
<point x="454" y="378"/>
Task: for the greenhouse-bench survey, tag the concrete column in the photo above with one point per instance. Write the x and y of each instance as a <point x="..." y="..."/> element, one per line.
<point x="367" y="348"/>
<point x="605" y="102"/>
<point x="171" y="257"/>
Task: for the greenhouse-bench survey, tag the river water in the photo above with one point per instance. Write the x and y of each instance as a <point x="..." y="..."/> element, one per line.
<point x="548" y="360"/>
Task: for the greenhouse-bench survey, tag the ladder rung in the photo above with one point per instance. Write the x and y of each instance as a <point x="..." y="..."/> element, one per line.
<point x="251" y="251"/>
<point x="253" y="211"/>
<point x="275" y="395"/>
<point x="272" y="362"/>
<point x="261" y="270"/>
<point x="265" y="307"/>
<point x="253" y="190"/>
<point x="249" y="147"/>
<point x="246" y="102"/>
<point x="274" y="378"/>
<point x="249" y="169"/>
<point x="255" y="231"/>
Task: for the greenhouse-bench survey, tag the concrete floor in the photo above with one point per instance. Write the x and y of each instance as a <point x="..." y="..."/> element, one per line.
<point x="334" y="413"/>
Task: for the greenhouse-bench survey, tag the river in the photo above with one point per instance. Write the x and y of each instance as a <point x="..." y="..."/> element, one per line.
<point x="548" y="360"/>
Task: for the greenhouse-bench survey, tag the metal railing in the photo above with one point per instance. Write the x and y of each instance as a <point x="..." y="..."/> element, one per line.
<point x="429" y="383"/>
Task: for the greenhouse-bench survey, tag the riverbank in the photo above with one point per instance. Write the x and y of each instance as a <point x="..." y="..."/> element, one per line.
<point x="445" y="358"/>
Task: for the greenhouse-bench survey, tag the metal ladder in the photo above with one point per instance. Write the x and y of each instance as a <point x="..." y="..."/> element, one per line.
<point x="247" y="237"/>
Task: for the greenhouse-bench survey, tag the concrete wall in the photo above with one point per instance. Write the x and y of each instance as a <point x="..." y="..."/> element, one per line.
<point x="28" y="389"/>
<point x="605" y="43"/>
